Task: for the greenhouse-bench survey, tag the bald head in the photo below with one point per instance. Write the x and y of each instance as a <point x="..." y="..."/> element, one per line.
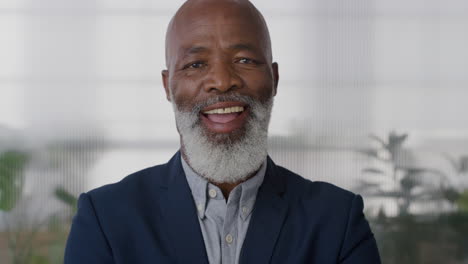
<point x="216" y="14"/>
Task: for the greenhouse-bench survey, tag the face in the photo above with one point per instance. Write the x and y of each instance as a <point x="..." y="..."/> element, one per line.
<point x="221" y="82"/>
<point x="213" y="54"/>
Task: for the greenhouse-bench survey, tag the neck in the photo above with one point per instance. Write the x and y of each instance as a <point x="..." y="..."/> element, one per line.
<point x="225" y="187"/>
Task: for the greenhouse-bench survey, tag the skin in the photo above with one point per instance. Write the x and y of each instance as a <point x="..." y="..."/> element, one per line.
<point x="216" y="47"/>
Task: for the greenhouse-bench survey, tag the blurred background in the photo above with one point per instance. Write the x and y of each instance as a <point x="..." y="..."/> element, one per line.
<point x="373" y="97"/>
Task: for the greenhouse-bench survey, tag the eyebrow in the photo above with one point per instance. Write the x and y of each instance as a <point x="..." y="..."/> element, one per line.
<point x="243" y="46"/>
<point x="194" y="50"/>
<point x="200" y="49"/>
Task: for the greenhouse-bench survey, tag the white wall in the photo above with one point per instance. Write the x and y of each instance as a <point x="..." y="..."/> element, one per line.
<point x="90" y="70"/>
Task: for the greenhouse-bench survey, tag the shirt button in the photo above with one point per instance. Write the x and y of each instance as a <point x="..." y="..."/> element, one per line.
<point x="245" y="210"/>
<point x="229" y="238"/>
<point x="212" y="193"/>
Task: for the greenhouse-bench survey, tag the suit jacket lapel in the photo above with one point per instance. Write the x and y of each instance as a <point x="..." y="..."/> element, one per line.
<point x="179" y="212"/>
<point x="267" y="219"/>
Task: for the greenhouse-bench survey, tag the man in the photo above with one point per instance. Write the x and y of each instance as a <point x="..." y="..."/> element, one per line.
<point x="220" y="199"/>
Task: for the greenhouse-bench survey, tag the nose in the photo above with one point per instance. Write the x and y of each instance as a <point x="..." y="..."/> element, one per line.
<point x="222" y="78"/>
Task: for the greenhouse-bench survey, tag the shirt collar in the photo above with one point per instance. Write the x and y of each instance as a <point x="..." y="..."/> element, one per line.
<point x="248" y="190"/>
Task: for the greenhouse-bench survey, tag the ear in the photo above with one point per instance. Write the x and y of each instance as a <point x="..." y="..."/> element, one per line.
<point x="274" y="66"/>
<point x="165" y="79"/>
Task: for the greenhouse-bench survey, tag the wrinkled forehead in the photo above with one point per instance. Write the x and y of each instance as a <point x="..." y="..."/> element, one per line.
<point x="229" y="20"/>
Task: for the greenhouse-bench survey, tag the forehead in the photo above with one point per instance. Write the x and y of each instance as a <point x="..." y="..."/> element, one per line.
<point x="222" y="28"/>
<point x="217" y="34"/>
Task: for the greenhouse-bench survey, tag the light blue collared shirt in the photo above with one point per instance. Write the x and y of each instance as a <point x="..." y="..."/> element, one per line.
<point x="223" y="225"/>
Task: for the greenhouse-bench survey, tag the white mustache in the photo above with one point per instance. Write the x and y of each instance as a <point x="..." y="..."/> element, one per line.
<point x="197" y="108"/>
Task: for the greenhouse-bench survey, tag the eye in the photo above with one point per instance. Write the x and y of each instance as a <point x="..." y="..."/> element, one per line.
<point x="246" y="61"/>
<point x="194" y="65"/>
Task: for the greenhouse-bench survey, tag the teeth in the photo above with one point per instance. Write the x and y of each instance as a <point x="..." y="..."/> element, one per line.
<point x="234" y="109"/>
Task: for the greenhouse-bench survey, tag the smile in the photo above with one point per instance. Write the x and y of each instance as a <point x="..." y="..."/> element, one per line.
<point x="224" y="117"/>
<point x="228" y="110"/>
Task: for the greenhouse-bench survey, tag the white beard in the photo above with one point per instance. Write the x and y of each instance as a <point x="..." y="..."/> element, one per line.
<point x="221" y="158"/>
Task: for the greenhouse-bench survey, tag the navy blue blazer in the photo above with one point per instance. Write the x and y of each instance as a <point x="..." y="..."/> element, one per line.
<point x="150" y="217"/>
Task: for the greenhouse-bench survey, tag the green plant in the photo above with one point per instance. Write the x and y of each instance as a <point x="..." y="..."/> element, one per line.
<point x="462" y="202"/>
<point x="393" y="176"/>
<point x="30" y="242"/>
<point x="12" y="164"/>
<point x="407" y="237"/>
<point x="458" y="196"/>
<point x="67" y="198"/>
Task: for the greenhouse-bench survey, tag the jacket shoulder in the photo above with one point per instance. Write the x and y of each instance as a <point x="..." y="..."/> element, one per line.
<point x="332" y="215"/>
